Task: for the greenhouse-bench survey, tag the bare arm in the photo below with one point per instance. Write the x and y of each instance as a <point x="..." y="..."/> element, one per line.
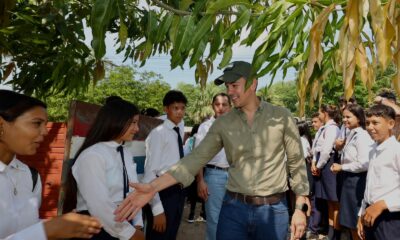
<point x="143" y="193"/>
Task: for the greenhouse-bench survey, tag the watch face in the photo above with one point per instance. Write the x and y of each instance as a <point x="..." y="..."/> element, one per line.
<point x="304" y="208"/>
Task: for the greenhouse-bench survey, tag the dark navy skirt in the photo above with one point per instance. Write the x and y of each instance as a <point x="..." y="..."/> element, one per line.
<point x="352" y="193"/>
<point x="326" y="184"/>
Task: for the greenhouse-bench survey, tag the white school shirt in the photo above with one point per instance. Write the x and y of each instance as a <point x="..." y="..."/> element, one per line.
<point x="383" y="177"/>
<point x="98" y="172"/>
<point x="19" y="215"/>
<point x="162" y="152"/>
<point x="316" y="146"/>
<point x="219" y="159"/>
<point x="355" y="153"/>
<point x="326" y="141"/>
<point x="305" y="145"/>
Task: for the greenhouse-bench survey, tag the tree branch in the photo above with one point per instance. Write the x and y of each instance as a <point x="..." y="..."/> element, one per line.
<point x="184" y="13"/>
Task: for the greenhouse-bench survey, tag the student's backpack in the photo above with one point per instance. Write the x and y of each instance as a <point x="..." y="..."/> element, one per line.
<point x="35" y="175"/>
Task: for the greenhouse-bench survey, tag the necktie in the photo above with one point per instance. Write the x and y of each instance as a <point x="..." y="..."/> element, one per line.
<point x="120" y="149"/>
<point x="317" y="137"/>
<point x="180" y="142"/>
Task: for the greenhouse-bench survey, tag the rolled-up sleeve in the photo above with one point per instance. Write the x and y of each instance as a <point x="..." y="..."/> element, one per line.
<point x="295" y="158"/>
<point x="187" y="168"/>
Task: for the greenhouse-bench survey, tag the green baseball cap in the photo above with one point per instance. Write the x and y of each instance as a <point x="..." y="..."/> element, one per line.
<point x="234" y="71"/>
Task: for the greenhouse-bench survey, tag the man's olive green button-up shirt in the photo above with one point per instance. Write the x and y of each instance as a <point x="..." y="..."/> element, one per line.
<point x="261" y="156"/>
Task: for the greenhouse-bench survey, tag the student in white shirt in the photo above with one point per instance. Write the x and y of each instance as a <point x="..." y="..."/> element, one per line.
<point x="102" y="170"/>
<point x="353" y="167"/>
<point x="344" y="131"/>
<point x="22" y="128"/>
<point x="325" y="155"/>
<point x="211" y="186"/>
<point x="380" y="209"/>
<point x="164" y="148"/>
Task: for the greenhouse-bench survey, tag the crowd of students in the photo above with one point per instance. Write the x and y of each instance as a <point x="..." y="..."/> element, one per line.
<point x="353" y="170"/>
<point x="353" y="165"/>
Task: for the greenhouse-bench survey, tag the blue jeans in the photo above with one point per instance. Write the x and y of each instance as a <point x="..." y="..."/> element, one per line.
<point x="240" y="221"/>
<point x="216" y="182"/>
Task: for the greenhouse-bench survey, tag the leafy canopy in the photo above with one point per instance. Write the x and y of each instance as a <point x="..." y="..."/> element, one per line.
<point x="42" y="41"/>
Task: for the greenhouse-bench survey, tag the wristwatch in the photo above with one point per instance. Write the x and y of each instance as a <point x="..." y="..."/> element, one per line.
<point x="302" y="207"/>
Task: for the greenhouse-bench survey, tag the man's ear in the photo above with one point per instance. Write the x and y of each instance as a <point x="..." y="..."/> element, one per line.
<point x="391" y="124"/>
<point x="254" y="84"/>
<point x="251" y="84"/>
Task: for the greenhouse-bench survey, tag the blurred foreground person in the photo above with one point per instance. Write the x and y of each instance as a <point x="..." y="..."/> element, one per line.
<point x="22" y="128"/>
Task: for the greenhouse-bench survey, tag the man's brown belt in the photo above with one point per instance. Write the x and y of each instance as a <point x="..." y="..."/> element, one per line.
<point x="257" y="200"/>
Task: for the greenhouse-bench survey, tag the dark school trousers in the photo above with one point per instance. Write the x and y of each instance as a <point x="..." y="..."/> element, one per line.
<point x="173" y="201"/>
<point x="386" y="226"/>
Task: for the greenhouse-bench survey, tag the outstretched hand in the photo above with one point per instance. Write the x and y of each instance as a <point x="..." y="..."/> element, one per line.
<point x="132" y="204"/>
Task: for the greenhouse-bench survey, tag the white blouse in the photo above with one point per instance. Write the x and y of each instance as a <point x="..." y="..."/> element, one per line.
<point x="306" y="146"/>
<point x="98" y="172"/>
<point x="19" y="205"/>
<point x="383" y="177"/>
<point x="162" y="152"/>
<point x="355" y="153"/>
<point x="326" y="142"/>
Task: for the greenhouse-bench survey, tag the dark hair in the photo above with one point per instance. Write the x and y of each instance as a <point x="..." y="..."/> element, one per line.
<point x="381" y="110"/>
<point x="352" y="100"/>
<point x="388" y="95"/>
<point x="358" y="112"/>
<point x="13" y="104"/>
<point x="222" y="95"/>
<point x="315" y="115"/>
<point x="150" y="112"/>
<point x="174" y="96"/>
<point x="304" y="130"/>
<point x="332" y="111"/>
<point x="112" y="98"/>
<point x="111" y="122"/>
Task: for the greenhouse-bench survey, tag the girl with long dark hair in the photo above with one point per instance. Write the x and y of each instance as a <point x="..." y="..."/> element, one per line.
<point x="325" y="156"/>
<point x="353" y="166"/>
<point x="22" y="129"/>
<point x="102" y="169"/>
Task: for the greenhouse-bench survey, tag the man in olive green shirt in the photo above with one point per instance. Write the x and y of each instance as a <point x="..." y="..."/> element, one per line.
<point x="262" y="144"/>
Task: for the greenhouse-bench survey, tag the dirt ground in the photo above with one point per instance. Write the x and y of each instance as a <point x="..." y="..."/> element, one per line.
<point x="191" y="231"/>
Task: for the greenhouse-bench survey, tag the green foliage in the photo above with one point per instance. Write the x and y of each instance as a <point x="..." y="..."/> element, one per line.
<point x="199" y="101"/>
<point x="44" y="39"/>
<point x="145" y="89"/>
<point x="285" y="93"/>
<point x="281" y="94"/>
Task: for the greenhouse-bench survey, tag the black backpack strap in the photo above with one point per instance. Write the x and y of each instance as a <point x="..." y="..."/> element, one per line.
<point x="35" y="175"/>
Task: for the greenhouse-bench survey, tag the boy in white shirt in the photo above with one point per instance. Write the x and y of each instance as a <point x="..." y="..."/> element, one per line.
<point x="164" y="148"/>
<point x="379" y="216"/>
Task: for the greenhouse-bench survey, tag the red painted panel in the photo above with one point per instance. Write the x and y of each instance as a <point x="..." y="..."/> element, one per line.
<point x="49" y="161"/>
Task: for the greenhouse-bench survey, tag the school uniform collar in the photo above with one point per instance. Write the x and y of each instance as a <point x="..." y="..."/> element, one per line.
<point x="330" y="122"/>
<point x="112" y="144"/>
<point x="15" y="163"/>
<point x="387" y="144"/>
<point x="169" y="124"/>
<point x="357" y="130"/>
